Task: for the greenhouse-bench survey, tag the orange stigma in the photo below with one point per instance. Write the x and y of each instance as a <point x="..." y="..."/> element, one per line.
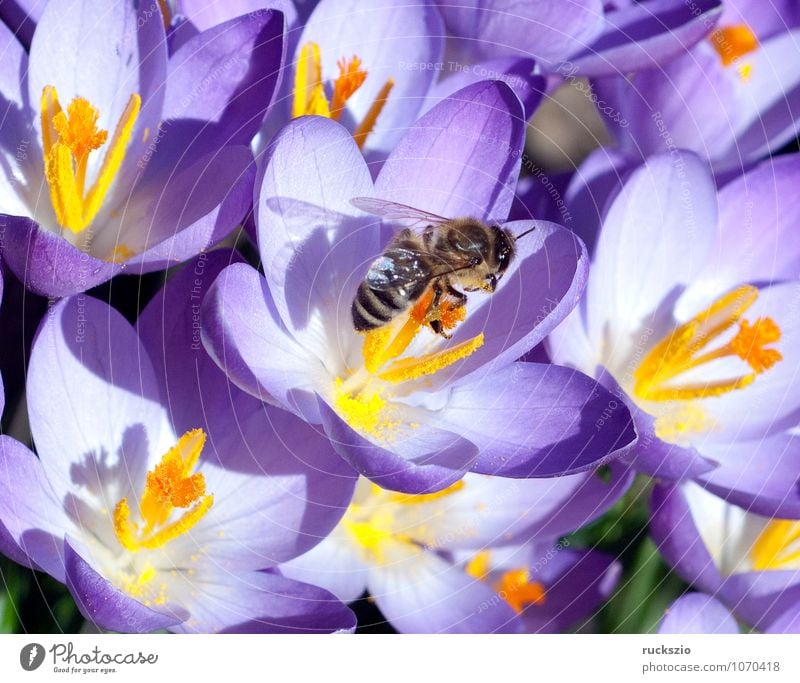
<point x="686" y="348"/>
<point x="169" y="485"/>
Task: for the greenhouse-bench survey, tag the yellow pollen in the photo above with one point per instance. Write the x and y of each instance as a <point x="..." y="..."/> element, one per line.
<point x="68" y="138"/>
<point x="361" y="398"/>
<point x="733" y="42"/>
<point x="415" y="367"/>
<point x="309" y="96"/>
<point x="372" y="522"/>
<point x="684" y="349"/>
<point x="120" y="254"/>
<point x="685" y="418"/>
<point x="169" y="485"/>
<point x="773" y="547"/>
<point x="480" y="565"/>
<point x="516" y="588"/>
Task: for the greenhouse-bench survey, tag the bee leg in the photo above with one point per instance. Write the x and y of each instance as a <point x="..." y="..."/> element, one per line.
<point x="436" y="326"/>
<point x="460" y="297"/>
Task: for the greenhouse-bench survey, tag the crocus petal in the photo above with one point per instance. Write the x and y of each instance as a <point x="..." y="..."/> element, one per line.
<point x="760" y="475"/>
<point x="487" y="510"/>
<point x="697" y="613"/>
<point x="20" y="157"/>
<point x="758" y="213"/>
<point x="462" y="157"/>
<point x="674" y="531"/>
<point x="644" y="36"/>
<point x="220" y="84"/>
<point x="788" y="622"/>
<point x="764" y="19"/>
<point x="760" y="598"/>
<point x="651" y="247"/>
<point x="767" y="108"/>
<point x="205" y="14"/>
<point x="278" y="485"/>
<point x="548" y="30"/>
<point x="93" y="401"/>
<point x="419" y="592"/>
<point x="261" y="602"/>
<point x="422" y="459"/>
<point x="532" y="420"/>
<point x="243" y="332"/>
<point x="107" y="606"/>
<point x="314" y="244"/>
<point x="576" y="582"/>
<point x="49" y="265"/>
<point x="30" y="512"/>
<point x="394" y="40"/>
<point x="21" y="17"/>
<point x="334" y="564"/>
<point x="172" y="218"/>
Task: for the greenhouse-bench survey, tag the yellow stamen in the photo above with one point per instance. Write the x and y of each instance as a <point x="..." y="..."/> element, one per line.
<point x="361" y="400"/>
<point x="415" y="367"/>
<point x="365" y="127"/>
<point x="684" y="349"/>
<point x="772" y="549"/>
<point x="170" y="484"/>
<point x="309" y="96"/>
<point x="480" y="565"/>
<point x="372" y="522"/>
<point x="68" y="138"/>
<point x="166" y="14"/>
<point x="419" y="498"/>
<point x="516" y="588"/>
<point x="733" y="42"/>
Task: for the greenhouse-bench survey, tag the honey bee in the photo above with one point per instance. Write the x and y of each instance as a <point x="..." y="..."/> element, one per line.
<point x="449" y="256"/>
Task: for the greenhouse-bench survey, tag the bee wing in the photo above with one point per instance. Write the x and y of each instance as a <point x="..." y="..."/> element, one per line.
<point x="402" y="267"/>
<point x="395" y="211"/>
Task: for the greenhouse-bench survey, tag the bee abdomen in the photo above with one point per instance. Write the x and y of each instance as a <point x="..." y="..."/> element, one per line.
<point x="373" y="308"/>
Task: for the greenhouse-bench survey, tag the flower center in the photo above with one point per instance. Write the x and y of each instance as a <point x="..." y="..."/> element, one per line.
<point x="685" y="349"/>
<point x="310" y="97"/>
<point x="373" y="523"/>
<point x="68" y="138"/>
<point x="514" y="586"/>
<point x="169" y="485"/>
<point x="361" y="398"/>
<point x="732" y="43"/>
<point x="777" y="546"/>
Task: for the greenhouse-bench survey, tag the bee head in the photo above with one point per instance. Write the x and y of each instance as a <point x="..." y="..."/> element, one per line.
<point x="504" y="253"/>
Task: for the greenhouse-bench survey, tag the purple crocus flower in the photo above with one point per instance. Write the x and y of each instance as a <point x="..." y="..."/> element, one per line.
<point x="578" y="37"/>
<point x="749" y="563"/>
<point x="118" y="158"/>
<point x="697" y="613"/>
<point x="416" y="414"/>
<point x="376" y="69"/>
<point x="150" y="529"/>
<point x="732" y="99"/>
<point x="477" y="557"/>
<point x="551" y="587"/>
<point x="701" y="613"/>
<point x="694" y="324"/>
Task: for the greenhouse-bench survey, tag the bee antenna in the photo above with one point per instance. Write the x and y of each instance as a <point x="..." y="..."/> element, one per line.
<point x="527" y="232"/>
